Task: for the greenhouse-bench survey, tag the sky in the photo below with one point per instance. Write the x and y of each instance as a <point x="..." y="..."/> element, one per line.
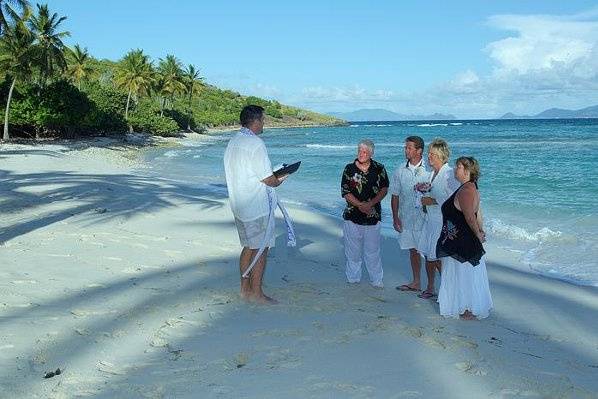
<point x="471" y="59"/>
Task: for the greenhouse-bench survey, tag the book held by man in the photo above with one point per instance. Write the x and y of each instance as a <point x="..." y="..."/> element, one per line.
<point x="287" y="169"/>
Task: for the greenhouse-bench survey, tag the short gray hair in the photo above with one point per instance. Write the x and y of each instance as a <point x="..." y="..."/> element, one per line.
<point x="367" y="143"/>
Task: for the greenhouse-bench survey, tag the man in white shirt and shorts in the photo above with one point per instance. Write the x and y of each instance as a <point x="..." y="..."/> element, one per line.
<point x="248" y="173"/>
<point x="408" y="218"/>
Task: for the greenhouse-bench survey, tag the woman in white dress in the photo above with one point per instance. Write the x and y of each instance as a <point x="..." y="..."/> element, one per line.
<point x="440" y="187"/>
<point x="464" y="289"/>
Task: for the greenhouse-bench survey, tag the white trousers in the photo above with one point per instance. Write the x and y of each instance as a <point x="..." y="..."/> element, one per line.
<point x="363" y="243"/>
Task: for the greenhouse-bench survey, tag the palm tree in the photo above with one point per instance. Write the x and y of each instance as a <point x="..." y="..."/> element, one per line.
<point x="5" y="8"/>
<point x="78" y="68"/>
<point x="51" y="50"/>
<point x="171" y="74"/>
<point x="135" y="74"/>
<point x="16" y="50"/>
<point x="192" y="81"/>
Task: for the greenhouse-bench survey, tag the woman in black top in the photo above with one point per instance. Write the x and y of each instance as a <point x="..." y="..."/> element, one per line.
<point x="363" y="185"/>
<point x="464" y="289"/>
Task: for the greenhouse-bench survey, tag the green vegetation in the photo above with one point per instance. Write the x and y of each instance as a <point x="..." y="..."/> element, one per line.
<point x="48" y="89"/>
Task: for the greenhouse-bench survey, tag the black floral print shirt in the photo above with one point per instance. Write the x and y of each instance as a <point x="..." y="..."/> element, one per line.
<point x="364" y="186"/>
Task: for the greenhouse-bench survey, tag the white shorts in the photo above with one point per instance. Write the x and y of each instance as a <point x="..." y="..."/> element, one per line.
<point x="251" y="233"/>
<point x="408" y="238"/>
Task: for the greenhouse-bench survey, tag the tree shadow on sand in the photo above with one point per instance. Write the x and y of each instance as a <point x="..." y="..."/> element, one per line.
<point x="39" y="198"/>
<point x="317" y="311"/>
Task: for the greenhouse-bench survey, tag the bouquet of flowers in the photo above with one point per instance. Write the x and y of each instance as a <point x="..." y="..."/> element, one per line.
<point x="423" y="187"/>
<point x="420" y="190"/>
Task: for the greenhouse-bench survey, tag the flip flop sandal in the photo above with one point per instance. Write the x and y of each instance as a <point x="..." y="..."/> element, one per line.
<point x="405" y="287"/>
<point x="427" y="295"/>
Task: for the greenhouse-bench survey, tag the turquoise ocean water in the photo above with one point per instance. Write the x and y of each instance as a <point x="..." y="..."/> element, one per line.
<point x="539" y="191"/>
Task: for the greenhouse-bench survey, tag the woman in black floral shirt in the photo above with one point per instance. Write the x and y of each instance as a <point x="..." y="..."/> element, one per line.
<point x="364" y="184"/>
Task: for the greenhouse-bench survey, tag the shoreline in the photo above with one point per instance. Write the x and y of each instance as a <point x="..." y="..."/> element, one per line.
<point x="129" y="284"/>
<point x="130" y="150"/>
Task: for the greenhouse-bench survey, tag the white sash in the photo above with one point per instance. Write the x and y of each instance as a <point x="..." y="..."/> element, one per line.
<point x="273" y="202"/>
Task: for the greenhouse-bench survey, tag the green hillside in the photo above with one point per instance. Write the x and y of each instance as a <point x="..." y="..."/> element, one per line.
<point x="48" y="89"/>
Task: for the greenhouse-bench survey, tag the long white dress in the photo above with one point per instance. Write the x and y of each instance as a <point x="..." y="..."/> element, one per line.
<point x="464" y="287"/>
<point x="443" y="186"/>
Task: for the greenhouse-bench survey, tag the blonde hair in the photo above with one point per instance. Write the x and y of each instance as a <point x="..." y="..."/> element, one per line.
<point x="471" y="165"/>
<point x="440" y="148"/>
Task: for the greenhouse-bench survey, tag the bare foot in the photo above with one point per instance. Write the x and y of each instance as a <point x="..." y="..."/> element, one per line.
<point x="264" y="300"/>
<point x="467" y="315"/>
<point x="245" y="295"/>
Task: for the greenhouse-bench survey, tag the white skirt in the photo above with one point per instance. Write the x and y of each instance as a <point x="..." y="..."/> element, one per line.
<point x="429" y="236"/>
<point x="464" y="287"/>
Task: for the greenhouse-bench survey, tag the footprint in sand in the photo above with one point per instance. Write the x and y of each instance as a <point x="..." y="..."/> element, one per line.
<point x="174" y="329"/>
<point x="18" y="282"/>
<point x="435" y="342"/>
<point x="111" y="368"/>
<point x="96" y="285"/>
<point x="240" y="360"/>
<point x="463" y="342"/>
<point x="278" y="333"/>
<point x="345" y="389"/>
<point x="470" y="368"/>
<point x="85" y="313"/>
<point x="419" y="333"/>
<point x="407" y="394"/>
<point x="415" y="332"/>
<point x="82" y="331"/>
<point x="282" y="359"/>
<point x="20" y="305"/>
<point x="516" y="393"/>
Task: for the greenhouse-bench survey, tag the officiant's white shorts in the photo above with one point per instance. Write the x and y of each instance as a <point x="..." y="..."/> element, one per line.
<point x="251" y="233"/>
<point x="408" y="238"/>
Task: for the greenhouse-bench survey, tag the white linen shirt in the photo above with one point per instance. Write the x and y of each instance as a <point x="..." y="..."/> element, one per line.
<point x="246" y="164"/>
<point x="443" y="186"/>
<point x="404" y="179"/>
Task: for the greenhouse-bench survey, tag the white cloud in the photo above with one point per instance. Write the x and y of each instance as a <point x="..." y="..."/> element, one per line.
<point x="465" y="82"/>
<point x="542" y="43"/>
<point x="544" y="61"/>
<point x="340" y="94"/>
<point x="263" y="90"/>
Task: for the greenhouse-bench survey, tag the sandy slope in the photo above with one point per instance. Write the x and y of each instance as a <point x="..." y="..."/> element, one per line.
<point x="129" y="285"/>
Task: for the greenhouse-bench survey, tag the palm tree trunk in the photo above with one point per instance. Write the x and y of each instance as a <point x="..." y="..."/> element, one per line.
<point x="127" y="107"/>
<point x="6" y="136"/>
<point x="127" y="112"/>
<point x="162" y="104"/>
<point x="189" y="115"/>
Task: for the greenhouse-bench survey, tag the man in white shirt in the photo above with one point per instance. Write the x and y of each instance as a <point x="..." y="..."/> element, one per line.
<point x="248" y="171"/>
<point x="407" y="217"/>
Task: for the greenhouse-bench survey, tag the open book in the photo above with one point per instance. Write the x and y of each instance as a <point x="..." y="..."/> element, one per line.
<point x="286" y="169"/>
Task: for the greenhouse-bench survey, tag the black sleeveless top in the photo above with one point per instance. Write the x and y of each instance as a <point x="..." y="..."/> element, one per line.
<point x="457" y="240"/>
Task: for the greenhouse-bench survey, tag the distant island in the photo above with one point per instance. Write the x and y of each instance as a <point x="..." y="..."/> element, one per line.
<point x="384" y="115"/>
<point x="558" y="113"/>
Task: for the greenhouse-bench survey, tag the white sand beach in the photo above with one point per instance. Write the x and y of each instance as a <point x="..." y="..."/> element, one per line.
<point x="129" y="285"/>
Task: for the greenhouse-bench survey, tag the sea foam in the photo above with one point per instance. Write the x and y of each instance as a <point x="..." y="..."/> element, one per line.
<point x="500" y="229"/>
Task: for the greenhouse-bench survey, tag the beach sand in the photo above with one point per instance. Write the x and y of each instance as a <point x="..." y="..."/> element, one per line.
<point x="129" y="285"/>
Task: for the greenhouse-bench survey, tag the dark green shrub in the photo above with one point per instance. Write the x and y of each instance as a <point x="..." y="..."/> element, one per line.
<point x="146" y="118"/>
<point x="107" y="113"/>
